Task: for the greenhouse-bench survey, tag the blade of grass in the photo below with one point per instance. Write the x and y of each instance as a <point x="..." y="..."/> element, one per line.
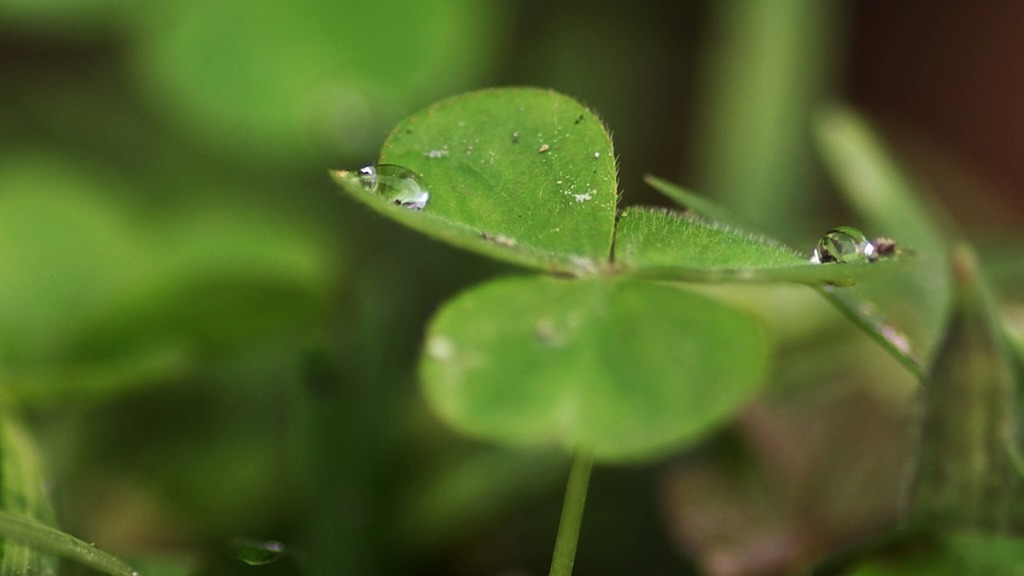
<point x="767" y="65"/>
<point x="46" y="539"/>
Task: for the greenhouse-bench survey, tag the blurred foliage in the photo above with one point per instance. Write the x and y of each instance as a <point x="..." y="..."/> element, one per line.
<point x="207" y="343"/>
<point x="314" y="78"/>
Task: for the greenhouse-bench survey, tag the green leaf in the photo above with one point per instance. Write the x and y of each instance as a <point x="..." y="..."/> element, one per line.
<point x="519" y="174"/>
<point x="672" y="246"/>
<point x="629" y="369"/>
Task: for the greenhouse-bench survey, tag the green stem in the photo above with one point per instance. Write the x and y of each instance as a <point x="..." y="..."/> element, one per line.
<point x="572" y="514"/>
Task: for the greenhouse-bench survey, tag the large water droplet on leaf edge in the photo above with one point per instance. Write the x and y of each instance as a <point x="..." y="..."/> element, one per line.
<point x="396" y="184"/>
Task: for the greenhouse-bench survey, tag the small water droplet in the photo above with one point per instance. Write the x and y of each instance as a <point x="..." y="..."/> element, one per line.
<point x="396" y="184"/>
<point x="597" y="154"/>
<point x="844" y="244"/>
<point x="515" y="137"/>
<point x="897" y="338"/>
<point x="257" y="552"/>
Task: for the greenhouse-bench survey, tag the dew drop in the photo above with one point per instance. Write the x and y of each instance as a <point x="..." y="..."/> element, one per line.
<point x="396" y="184"/>
<point x="897" y="338"/>
<point x="257" y="552"/>
<point x="844" y="244"/>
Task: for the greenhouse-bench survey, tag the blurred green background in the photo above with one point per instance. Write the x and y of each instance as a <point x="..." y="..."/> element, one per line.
<point x="209" y="342"/>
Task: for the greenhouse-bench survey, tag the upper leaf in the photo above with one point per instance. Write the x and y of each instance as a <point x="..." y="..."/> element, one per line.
<point x="670" y="245"/>
<point x="519" y="174"/>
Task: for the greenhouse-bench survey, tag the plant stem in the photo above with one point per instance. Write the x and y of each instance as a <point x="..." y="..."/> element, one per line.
<point x="572" y="514"/>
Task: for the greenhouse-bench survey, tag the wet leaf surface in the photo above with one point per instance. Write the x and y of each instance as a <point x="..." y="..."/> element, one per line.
<point x="519" y="174"/>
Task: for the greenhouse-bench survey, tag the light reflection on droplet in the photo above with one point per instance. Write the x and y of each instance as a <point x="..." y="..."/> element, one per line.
<point x="396" y="184"/>
<point x="844" y="244"/>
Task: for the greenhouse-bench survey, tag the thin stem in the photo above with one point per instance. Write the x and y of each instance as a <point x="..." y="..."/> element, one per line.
<point x="876" y="328"/>
<point x="572" y="514"/>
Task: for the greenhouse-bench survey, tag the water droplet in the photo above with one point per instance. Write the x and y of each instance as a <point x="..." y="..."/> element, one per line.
<point x="396" y="184"/>
<point x="515" y="137"/>
<point x="844" y="244"/>
<point x="597" y="154"/>
<point x="257" y="552"/>
<point x="897" y="338"/>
